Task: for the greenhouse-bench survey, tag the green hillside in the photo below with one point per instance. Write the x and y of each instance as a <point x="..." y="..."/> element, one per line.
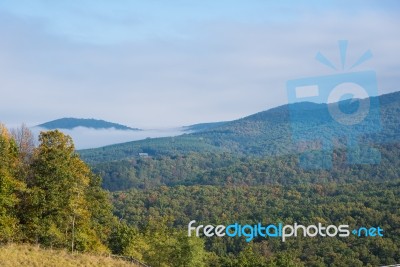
<point x="244" y="171"/>
<point x="267" y="133"/>
<point x="203" y="126"/>
<point x="248" y="171"/>
<point x="50" y="198"/>
<point x="71" y="123"/>
<point x="360" y="203"/>
<point x="226" y="169"/>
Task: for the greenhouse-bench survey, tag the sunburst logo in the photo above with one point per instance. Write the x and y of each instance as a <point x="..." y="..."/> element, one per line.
<point x="324" y="109"/>
<point x="343" y="44"/>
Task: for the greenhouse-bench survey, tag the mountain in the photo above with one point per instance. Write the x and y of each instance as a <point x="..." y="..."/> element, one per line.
<point x="71" y="123"/>
<point x="200" y="127"/>
<point x="249" y="169"/>
<point x="269" y="133"/>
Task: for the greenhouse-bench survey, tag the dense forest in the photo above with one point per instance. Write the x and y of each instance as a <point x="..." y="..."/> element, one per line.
<point x="50" y="197"/>
<point x="360" y="203"/>
<point x="71" y="123"/>
<point x="227" y="169"/>
<point x="248" y="171"/>
<point x="267" y="133"/>
<point x="113" y="200"/>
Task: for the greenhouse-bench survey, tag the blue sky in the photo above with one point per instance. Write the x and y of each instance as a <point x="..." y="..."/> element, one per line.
<point x="169" y="63"/>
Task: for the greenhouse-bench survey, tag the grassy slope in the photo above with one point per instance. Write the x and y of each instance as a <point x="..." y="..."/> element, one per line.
<point x="29" y="255"/>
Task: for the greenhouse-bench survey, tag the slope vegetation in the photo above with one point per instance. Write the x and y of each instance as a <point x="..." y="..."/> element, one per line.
<point x="267" y="133"/>
<point x="71" y="123"/>
<point x="30" y="255"/>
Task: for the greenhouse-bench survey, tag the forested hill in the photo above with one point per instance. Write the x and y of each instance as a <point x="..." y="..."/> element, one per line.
<point x="266" y="133"/>
<point x="71" y="123"/>
<point x="200" y="127"/>
<point x="248" y="171"/>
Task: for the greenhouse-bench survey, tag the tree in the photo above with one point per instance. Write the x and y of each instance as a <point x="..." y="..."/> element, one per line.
<point x="158" y="245"/>
<point x="25" y="142"/>
<point x="9" y="186"/>
<point x="61" y="192"/>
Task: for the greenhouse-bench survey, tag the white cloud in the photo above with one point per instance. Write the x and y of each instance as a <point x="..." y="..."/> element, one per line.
<point x="216" y="69"/>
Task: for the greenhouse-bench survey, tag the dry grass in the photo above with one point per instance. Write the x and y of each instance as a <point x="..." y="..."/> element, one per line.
<point x="30" y="255"/>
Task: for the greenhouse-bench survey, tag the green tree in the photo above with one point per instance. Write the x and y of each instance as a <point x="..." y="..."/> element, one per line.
<point x="249" y="257"/>
<point x="64" y="196"/>
<point x="9" y="186"/>
<point x="158" y="245"/>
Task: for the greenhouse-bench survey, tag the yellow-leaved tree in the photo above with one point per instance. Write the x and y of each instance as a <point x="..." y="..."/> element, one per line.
<point x="67" y="206"/>
<point x="10" y="186"/>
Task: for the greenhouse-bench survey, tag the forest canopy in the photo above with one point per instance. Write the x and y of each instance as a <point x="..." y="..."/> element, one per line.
<point x="141" y="207"/>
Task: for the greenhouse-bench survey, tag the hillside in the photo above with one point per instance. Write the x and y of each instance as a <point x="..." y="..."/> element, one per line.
<point x="361" y="203"/>
<point x="157" y="195"/>
<point x="30" y="255"/>
<point x="266" y="133"/>
<point x="203" y="126"/>
<point x="71" y="123"/>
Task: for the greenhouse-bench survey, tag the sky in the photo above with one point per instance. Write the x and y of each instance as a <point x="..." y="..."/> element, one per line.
<point x="158" y="64"/>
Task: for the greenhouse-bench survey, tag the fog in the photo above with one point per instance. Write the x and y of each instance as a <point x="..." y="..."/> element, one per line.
<point x="91" y="138"/>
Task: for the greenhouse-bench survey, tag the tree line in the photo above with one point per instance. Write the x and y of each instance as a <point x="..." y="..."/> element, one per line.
<point x="50" y="197"/>
<point x="222" y="169"/>
<point x="361" y="203"/>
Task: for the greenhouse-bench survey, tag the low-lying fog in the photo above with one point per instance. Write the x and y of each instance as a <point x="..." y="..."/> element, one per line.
<point x="91" y="138"/>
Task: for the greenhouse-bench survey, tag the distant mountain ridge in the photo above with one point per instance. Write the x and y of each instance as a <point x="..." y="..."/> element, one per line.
<point x="267" y="133"/>
<point x="199" y="127"/>
<point x="71" y="123"/>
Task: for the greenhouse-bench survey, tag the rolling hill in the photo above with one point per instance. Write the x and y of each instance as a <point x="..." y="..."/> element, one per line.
<point x="200" y="127"/>
<point x="267" y="133"/>
<point x="248" y="170"/>
<point x="71" y="123"/>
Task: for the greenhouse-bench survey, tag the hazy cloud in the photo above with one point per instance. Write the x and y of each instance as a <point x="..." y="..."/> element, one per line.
<point x="188" y="66"/>
<point x="90" y="138"/>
